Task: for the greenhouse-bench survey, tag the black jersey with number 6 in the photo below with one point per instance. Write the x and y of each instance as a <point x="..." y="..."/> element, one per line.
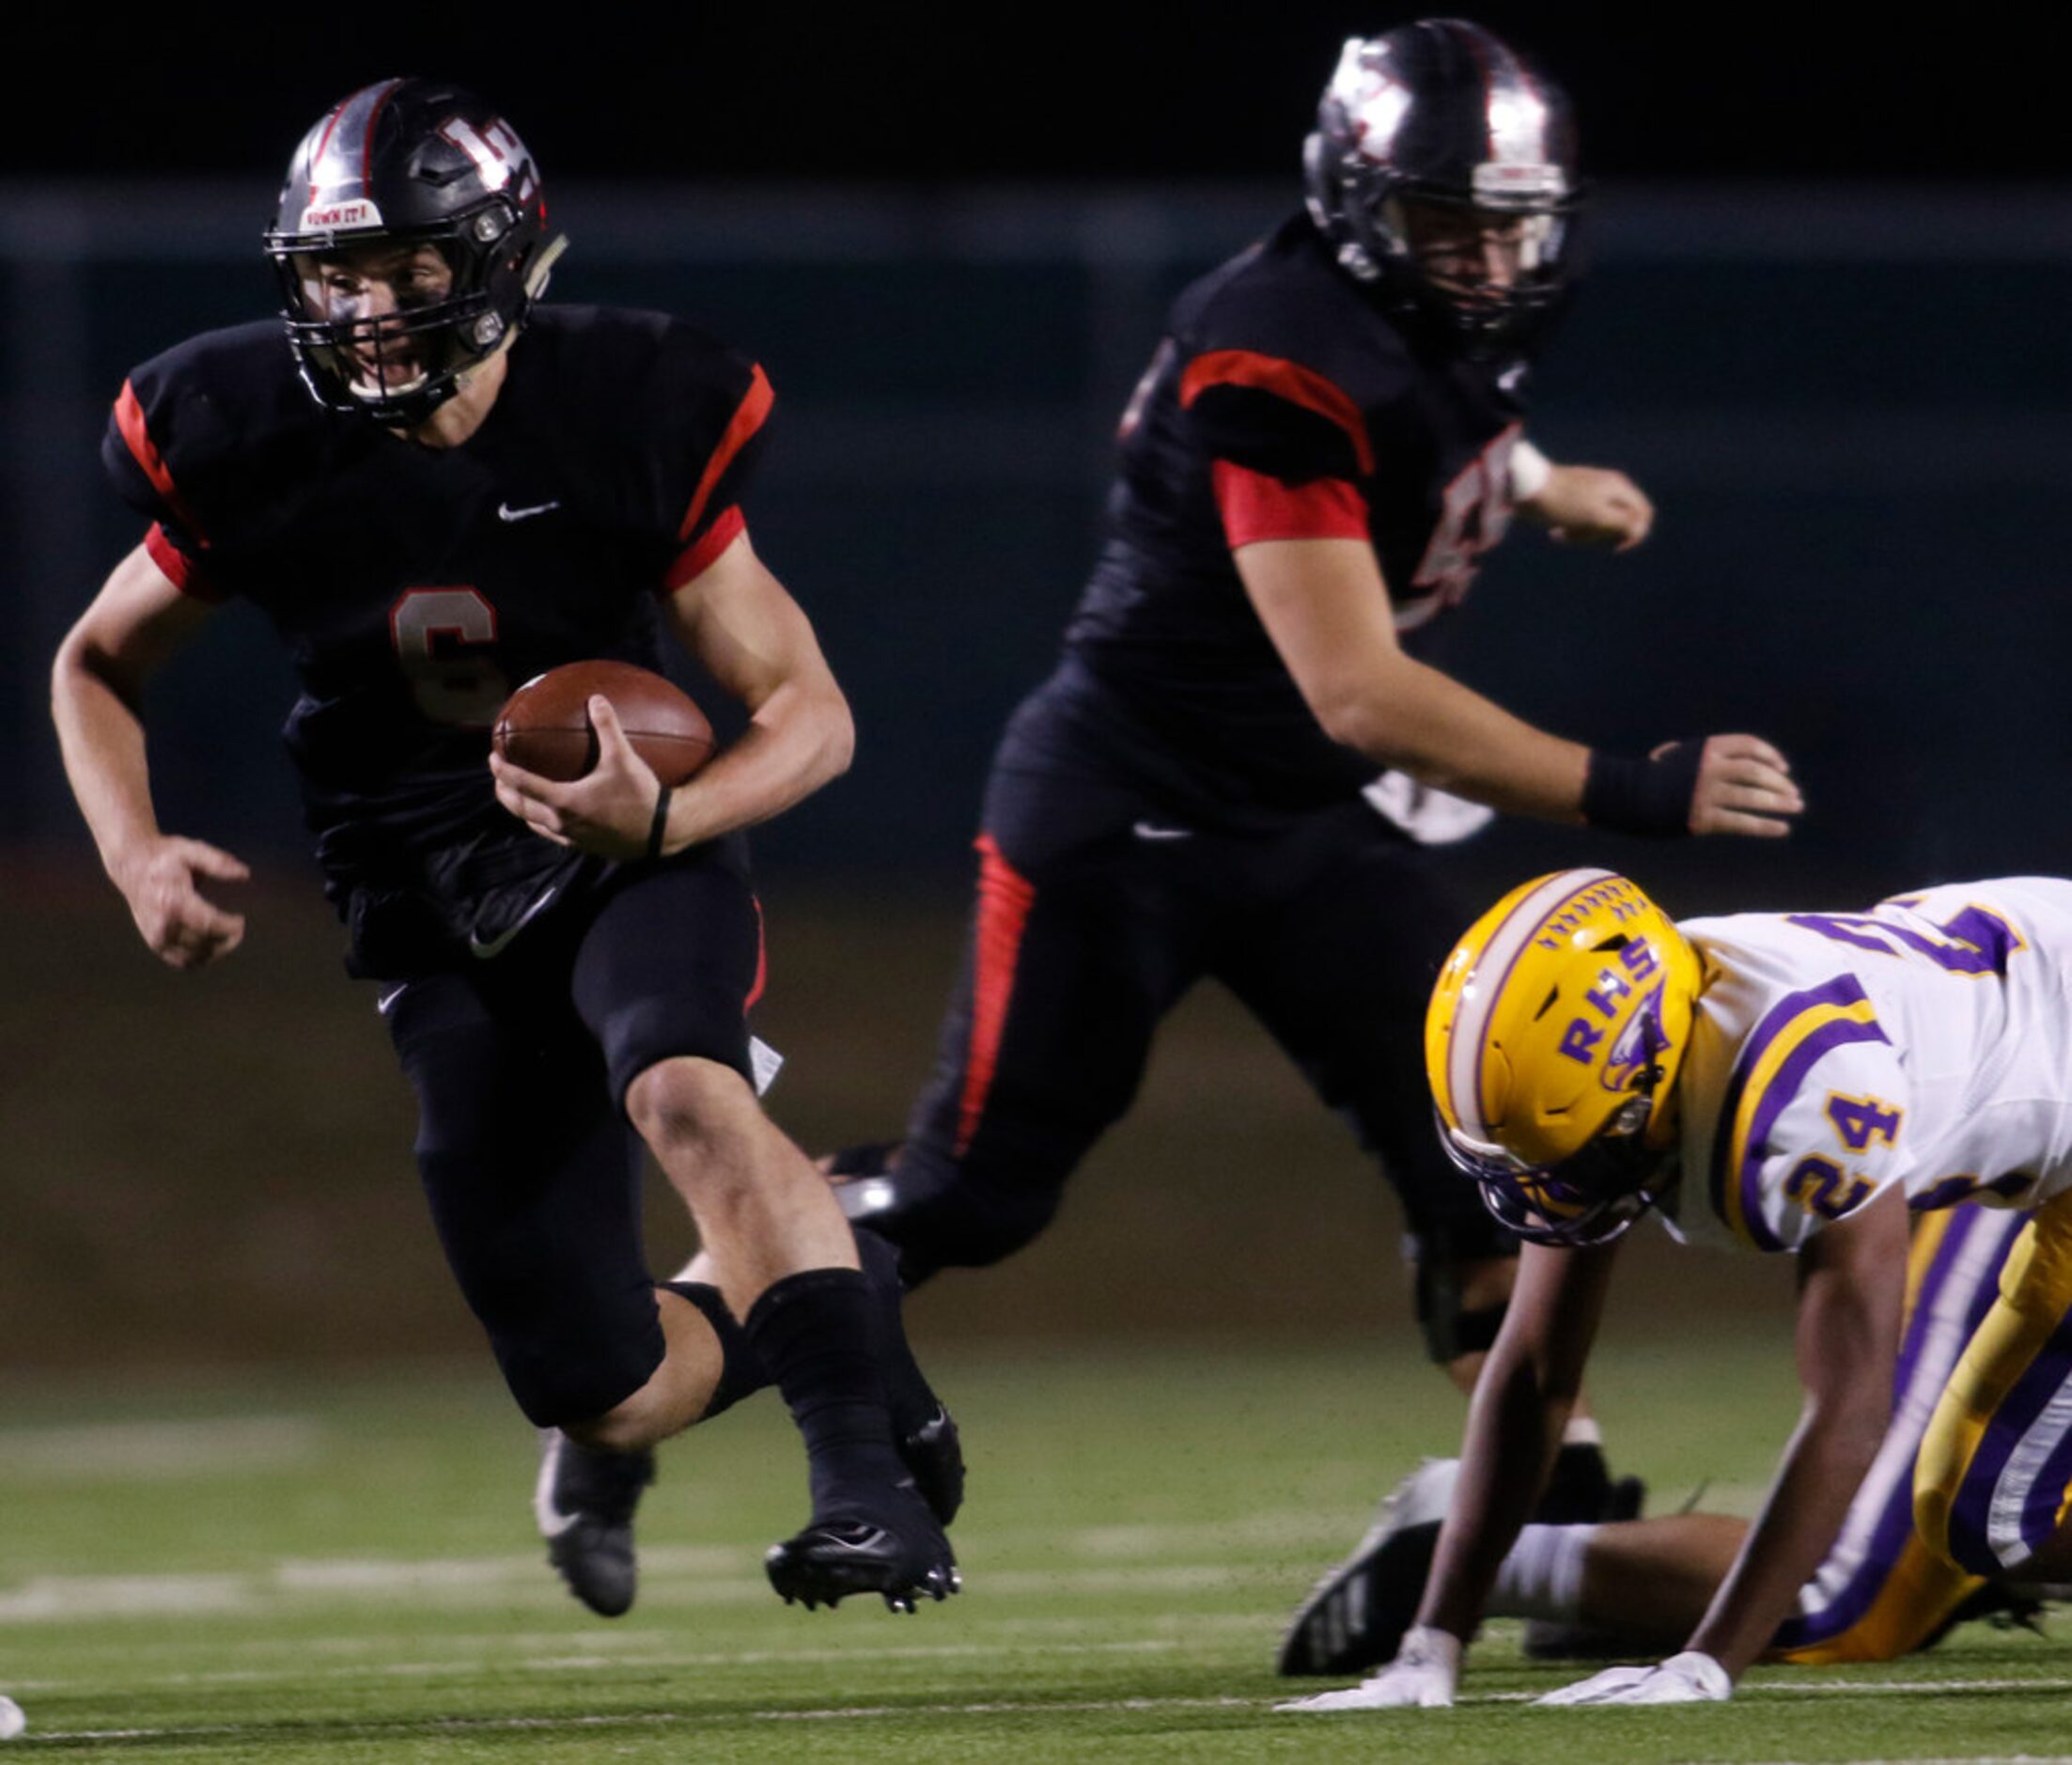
<point x="416" y="587"/>
<point x="1285" y="401"/>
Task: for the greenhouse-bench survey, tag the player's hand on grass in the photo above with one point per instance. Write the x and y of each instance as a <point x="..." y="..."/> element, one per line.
<point x="1690" y="1677"/>
<point x="1592" y="506"/>
<point x="608" y="811"/>
<point x="1744" y="787"/>
<point x="1422" y="1677"/>
<point x="182" y="926"/>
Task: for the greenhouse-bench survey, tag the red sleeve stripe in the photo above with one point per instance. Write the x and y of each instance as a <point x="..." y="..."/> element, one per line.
<point x="1004" y="897"/>
<point x="747" y="418"/>
<point x="1257" y="506"/>
<point x="695" y="560"/>
<point x="1284" y="380"/>
<point x="180" y="570"/>
<point x="144" y="450"/>
<point x="762" y="956"/>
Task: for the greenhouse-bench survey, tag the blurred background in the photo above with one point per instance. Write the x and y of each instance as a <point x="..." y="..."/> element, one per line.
<point x="1824" y="327"/>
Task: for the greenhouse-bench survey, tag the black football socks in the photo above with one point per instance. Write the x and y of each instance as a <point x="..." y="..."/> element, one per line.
<point x="816" y="1333"/>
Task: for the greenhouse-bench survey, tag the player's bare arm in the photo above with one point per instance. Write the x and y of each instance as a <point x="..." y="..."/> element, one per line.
<point x="1524" y="1396"/>
<point x="1851" y="1282"/>
<point x="1595" y="506"/>
<point x="1326" y="608"/>
<point x="1527" y="1391"/>
<point x="752" y="637"/>
<point x="137" y="622"/>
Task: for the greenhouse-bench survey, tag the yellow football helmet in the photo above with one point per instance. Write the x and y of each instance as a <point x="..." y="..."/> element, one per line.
<point x="1558" y="1021"/>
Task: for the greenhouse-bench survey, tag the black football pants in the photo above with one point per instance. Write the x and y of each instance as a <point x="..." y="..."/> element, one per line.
<point x="1095" y="914"/>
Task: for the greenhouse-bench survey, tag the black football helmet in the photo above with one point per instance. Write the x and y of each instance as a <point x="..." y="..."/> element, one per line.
<point x="410" y="162"/>
<point x="1438" y="126"/>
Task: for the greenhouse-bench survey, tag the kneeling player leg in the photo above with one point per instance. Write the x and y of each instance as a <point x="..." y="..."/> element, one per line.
<point x="1997" y="1462"/>
<point x="1067" y="974"/>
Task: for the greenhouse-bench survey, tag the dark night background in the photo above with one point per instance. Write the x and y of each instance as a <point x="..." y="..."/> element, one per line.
<point x="935" y="94"/>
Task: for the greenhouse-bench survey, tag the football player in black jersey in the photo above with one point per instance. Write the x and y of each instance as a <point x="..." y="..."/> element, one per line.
<point x="1325" y="443"/>
<point x="434" y="489"/>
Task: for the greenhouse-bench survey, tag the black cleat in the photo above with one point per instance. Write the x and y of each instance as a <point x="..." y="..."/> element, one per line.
<point x="923" y="1430"/>
<point x="935" y="1457"/>
<point x="906" y="1561"/>
<point x="1356" y="1615"/>
<point x="584" y="1503"/>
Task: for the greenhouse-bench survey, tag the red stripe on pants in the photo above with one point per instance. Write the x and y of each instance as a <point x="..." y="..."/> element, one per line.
<point x="1004" y="897"/>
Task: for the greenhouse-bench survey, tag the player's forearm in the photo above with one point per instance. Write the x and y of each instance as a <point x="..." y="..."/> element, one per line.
<point x="801" y="737"/>
<point x="1420" y="721"/>
<point x="1828" y="1456"/>
<point x="102" y="738"/>
<point x="1515" y="1423"/>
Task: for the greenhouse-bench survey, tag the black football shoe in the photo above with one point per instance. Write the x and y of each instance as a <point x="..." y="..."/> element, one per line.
<point x="584" y="1503"/>
<point x="1356" y="1615"/>
<point x="922" y="1428"/>
<point x="890" y="1546"/>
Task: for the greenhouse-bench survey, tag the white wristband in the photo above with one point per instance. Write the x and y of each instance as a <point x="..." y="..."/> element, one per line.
<point x="1529" y="471"/>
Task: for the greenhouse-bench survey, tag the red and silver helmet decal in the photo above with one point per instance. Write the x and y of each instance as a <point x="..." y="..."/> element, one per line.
<point x="339" y="164"/>
<point x="1374" y="100"/>
<point x="1520" y="166"/>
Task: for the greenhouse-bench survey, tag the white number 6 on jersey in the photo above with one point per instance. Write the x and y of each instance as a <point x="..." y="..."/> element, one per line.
<point x="442" y="636"/>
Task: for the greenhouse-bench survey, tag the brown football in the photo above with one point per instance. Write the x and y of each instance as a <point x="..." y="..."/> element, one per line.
<point x="545" y="726"/>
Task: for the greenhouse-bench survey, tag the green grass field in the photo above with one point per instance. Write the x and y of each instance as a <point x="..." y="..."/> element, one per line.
<point x="347" y="1572"/>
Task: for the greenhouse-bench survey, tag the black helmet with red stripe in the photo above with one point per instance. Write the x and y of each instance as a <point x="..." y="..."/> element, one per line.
<point x="420" y="192"/>
<point x="1443" y="169"/>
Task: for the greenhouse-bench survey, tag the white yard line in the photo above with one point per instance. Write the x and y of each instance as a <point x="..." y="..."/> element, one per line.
<point x="126" y="1452"/>
<point x="712" y="1576"/>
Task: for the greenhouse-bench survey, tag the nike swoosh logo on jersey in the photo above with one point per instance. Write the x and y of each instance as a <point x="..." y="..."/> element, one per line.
<point x="494" y="946"/>
<point x="505" y="513"/>
<point x="1151" y="830"/>
<point x="382" y="1003"/>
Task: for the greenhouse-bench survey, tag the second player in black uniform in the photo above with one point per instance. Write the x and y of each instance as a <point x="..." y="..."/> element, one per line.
<point x="1323" y="448"/>
<point x="434" y="491"/>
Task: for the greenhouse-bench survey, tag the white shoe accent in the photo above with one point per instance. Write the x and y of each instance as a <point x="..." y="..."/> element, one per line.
<point x="553" y="1523"/>
<point x="1151" y="830"/>
<point x="505" y="513"/>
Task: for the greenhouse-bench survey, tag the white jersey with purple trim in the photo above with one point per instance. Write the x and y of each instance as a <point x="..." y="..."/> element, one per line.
<point x="1926" y="1042"/>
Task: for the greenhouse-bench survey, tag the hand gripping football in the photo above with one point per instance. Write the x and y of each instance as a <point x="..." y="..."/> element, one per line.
<point x="545" y="726"/>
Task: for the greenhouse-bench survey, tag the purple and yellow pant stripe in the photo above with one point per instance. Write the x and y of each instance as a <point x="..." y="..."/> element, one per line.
<point x="1995" y="1468"/>
<point x="1883" y="1590"/>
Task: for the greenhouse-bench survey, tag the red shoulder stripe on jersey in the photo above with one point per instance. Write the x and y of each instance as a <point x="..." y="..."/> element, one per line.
<point x="762" y="956"/>
<point x="144" y="450"/>
<point x="1257" y="506"/>
<point x="747" y="418"/>
<point x="696" y="559"/>
<point x="180" y="570"/>
<point x="1286" y="380"/>
<point x="1004" y="897"/>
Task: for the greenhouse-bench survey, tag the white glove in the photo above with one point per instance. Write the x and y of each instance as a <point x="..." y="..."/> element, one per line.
<point x="1690" y="1678"/>
<point x="1422" y="1677"/>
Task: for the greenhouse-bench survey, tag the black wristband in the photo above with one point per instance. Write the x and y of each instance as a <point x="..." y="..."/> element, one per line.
<point x="659" y="825"/>
<point x="1637" y="796"/>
